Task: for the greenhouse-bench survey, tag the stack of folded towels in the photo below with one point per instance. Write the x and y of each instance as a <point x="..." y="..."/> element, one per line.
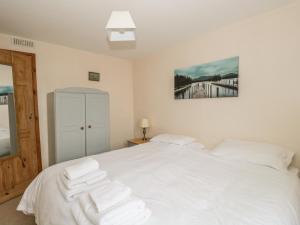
<point x="101" y="201"/>
<point x="80" y="178"/>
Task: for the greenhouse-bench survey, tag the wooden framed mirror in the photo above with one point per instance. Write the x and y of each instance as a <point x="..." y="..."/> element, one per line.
<point x="20" y="157"/>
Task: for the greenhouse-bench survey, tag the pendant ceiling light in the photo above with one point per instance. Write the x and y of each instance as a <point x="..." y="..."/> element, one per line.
<point x="120" y="26"/>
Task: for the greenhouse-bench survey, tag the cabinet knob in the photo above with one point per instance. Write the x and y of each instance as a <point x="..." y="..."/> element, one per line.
<point x="89" y="126"/>
<point x="81" y="128"/>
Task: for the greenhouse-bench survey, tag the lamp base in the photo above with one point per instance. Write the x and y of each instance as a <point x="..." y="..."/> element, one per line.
<point x="144" y="133"/>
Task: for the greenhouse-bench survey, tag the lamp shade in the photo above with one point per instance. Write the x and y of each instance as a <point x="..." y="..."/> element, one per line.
<point x="144" y="123"/>
<point x="121" y="35"/>
<point x="120" y="26"/>
<point x="120" y="20"/>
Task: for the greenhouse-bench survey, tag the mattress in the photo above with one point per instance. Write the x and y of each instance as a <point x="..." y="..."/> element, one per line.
<point x="181" y="186"/>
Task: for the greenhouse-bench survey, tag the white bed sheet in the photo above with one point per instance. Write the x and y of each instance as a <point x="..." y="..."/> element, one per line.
<point x="181" y="186"/>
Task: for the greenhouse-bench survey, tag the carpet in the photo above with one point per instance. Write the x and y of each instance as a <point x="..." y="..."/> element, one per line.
<point x="9" y="215"/>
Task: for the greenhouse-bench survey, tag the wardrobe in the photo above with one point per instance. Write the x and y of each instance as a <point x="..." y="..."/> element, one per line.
<point x="81" y="123"/>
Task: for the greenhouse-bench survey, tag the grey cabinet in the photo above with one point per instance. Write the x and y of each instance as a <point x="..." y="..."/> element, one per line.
<point x="81" y="118"/>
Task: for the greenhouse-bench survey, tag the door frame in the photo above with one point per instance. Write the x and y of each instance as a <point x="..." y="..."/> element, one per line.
<point x="6" y="58"/>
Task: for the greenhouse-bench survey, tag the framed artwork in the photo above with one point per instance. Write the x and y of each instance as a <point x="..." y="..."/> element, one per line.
<point x="3" y="100"/>
<point x="211" y="80"/>
<point x="4" y="92"/>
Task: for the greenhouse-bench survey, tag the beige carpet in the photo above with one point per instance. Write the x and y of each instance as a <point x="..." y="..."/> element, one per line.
<point x="9" y="215"/>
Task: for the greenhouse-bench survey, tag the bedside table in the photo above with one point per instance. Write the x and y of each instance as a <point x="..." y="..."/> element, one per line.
<point x="137" y="141"/>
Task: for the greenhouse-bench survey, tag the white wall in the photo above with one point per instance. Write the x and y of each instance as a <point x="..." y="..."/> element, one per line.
<point x="268" y="108"/>
<point x="59" y="67"/>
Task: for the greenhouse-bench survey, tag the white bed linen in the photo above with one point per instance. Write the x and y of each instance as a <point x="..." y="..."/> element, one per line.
<point x="181" y="186"/>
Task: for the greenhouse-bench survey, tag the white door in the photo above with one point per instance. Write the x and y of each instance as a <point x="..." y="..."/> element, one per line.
<point x="70" y="126"/>
<point x="97" y="120"/>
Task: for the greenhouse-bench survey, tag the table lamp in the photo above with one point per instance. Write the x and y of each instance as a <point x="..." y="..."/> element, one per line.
<point x="144" y="124"/>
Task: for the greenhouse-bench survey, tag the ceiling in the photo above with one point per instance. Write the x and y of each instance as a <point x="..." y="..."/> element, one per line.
<point x="160" y="23"/>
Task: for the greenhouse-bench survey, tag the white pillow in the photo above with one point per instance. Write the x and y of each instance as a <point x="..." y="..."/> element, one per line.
<point x="196" y="146"/>
<point x="255" y="152"/>
<point x="173" y="139"/>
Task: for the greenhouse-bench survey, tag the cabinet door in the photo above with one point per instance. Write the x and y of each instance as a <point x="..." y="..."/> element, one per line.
<point x="97" y="120"/>
<point x="70" y="126"/>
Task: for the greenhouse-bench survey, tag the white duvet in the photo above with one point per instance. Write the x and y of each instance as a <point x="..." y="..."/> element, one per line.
<point x="181" y="186"/>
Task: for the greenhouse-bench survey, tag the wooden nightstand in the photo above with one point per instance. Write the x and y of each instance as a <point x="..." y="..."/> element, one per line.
<point x="137" y="141"/>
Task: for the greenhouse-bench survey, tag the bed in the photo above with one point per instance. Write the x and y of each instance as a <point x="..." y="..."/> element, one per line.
<point x="182" y="185"/>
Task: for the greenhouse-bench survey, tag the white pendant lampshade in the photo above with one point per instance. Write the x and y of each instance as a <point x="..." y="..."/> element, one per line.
<point x="144" y="123"/>
<point x="120" y="26"/>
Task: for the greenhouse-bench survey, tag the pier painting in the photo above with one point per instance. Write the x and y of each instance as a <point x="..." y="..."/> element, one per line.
<point x="212" y="80"/>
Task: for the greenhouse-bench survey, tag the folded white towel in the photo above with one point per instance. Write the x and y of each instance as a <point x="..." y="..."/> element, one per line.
<point x="81" y="168"/>
<point x="71" y="194"/>
<point x="89" y="209"/>
<point x="79" y="215"/>
<point x="132" y="212"/>
<point x="109" y="195"/>
<point x="84" y="181"/>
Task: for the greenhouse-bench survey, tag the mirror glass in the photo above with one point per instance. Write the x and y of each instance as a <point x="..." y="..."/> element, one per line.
<point x="8" y="131"/>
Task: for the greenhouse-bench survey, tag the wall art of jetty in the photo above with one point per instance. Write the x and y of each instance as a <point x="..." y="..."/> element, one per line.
<point x="211" y="80"/>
